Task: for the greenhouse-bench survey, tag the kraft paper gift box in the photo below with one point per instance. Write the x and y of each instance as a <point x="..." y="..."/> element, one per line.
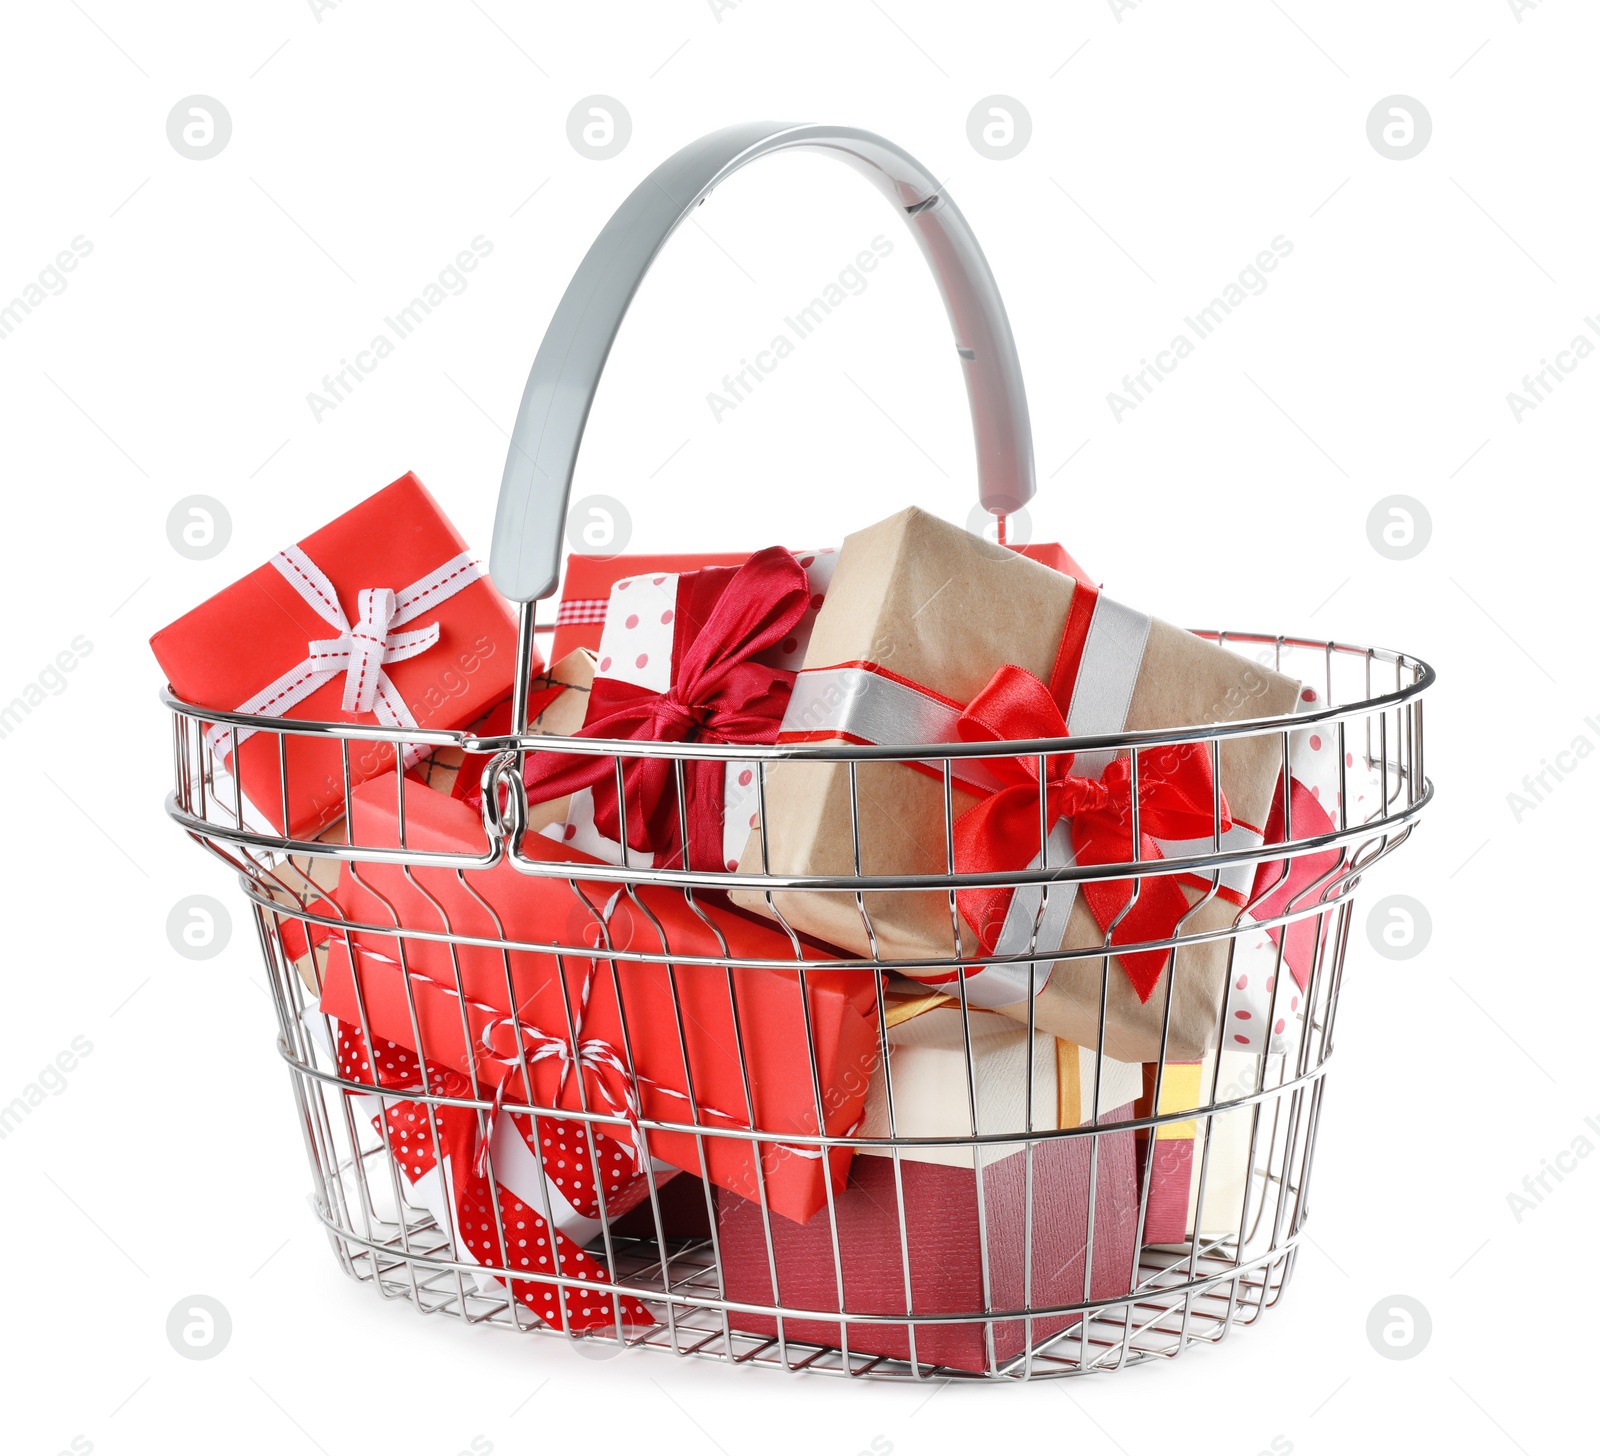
<point x="556" y="705"/>
<point x="381" y="617"/>
<point x="940" y="1189"/>
<point x="464" y="997"/>
<point x="920" y="620"/>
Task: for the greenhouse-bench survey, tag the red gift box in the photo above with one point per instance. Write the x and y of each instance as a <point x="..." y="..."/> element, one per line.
<point x="943" y="1249"/>
<point x="380" y="617"/>
<point x="462" y="997"/>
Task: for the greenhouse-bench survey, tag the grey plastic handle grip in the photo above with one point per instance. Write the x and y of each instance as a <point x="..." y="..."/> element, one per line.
<point x="530" y="522"/>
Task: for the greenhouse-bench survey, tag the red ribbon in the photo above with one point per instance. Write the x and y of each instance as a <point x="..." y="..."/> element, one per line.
<point x="719" y="694"/>
<point x="1002" y="831"/>
<point x="420" y="1134"/>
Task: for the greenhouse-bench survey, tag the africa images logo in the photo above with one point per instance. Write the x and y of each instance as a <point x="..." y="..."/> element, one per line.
<point x="1140" y="384"/>
<point x="451" y="281"/>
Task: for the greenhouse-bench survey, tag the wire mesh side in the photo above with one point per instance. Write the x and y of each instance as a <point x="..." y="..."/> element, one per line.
<point x="1165" y="1210"/>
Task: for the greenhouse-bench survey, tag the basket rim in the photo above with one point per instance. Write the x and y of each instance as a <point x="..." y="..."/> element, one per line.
<point x="1425" y="677"/>
<point x="1395" y="823"/>
<point x="1094" y="1127"/>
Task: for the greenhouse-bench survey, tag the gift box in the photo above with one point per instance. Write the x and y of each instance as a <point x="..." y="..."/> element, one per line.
<point x="940" y="1189"/>
<point x="1323" y="787"/>
<point x="707" y="654"/>
<point x="670" y="1042"/>
<point x="1267" y="978"/>
<point x="932" y="635"/>
<point x="1263" y="1006"/>
<point x="1178" y="1209"/>
<point x="303" y="882"/>
<point x="508" y="1191"/>
<point x="381" y="617"/>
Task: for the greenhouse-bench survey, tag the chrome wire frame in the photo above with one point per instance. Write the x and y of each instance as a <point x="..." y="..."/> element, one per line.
<point x="1170" y="1296"/>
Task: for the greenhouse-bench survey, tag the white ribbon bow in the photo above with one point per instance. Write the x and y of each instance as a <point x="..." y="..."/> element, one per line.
<point x="359" y="652"/>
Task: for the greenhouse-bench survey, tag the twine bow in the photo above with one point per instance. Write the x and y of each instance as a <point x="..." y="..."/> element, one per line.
<point x="605" y="1076"/>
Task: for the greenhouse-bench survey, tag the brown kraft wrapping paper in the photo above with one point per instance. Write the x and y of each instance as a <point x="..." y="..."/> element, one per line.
<point x="935" y="605"/>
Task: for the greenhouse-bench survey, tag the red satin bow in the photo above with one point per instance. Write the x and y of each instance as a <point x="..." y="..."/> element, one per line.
<point x="1001" y="832"/>
<point x="718" y="695"/>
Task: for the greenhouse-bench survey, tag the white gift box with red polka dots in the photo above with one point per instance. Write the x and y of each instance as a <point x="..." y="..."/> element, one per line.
<point x="1267" y="991"/>
<point x="636" y="647"/>
<point x="1265" y="1003"/>
<point x="1314" y="761"/>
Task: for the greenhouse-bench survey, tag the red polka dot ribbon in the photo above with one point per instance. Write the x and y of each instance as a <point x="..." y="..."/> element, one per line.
<point x="495" y="1227"/>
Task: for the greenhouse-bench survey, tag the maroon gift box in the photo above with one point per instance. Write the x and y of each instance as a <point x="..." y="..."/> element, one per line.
<point x="945" y="1252"/>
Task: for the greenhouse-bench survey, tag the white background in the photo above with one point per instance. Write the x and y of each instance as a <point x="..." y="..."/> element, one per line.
<point x="1170" y="144"/>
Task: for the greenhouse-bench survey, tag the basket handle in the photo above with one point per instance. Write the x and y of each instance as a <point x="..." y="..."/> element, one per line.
<point x="525" y="559"/>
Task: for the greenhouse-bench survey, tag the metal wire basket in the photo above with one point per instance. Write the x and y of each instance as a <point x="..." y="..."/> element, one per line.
<point x="1071" y="1271"/>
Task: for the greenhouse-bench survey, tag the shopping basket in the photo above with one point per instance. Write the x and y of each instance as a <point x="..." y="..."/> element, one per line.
<point x="662" y="1274"/>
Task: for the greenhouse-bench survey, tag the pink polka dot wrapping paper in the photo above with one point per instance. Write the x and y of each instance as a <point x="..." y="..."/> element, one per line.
<point x="490" y="1183"/>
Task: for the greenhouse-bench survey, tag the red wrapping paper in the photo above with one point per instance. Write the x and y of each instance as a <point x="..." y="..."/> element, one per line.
<point x="519" y="1240"/>
<point x="244" y="638"/>
<point x="454" y="1015"/>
